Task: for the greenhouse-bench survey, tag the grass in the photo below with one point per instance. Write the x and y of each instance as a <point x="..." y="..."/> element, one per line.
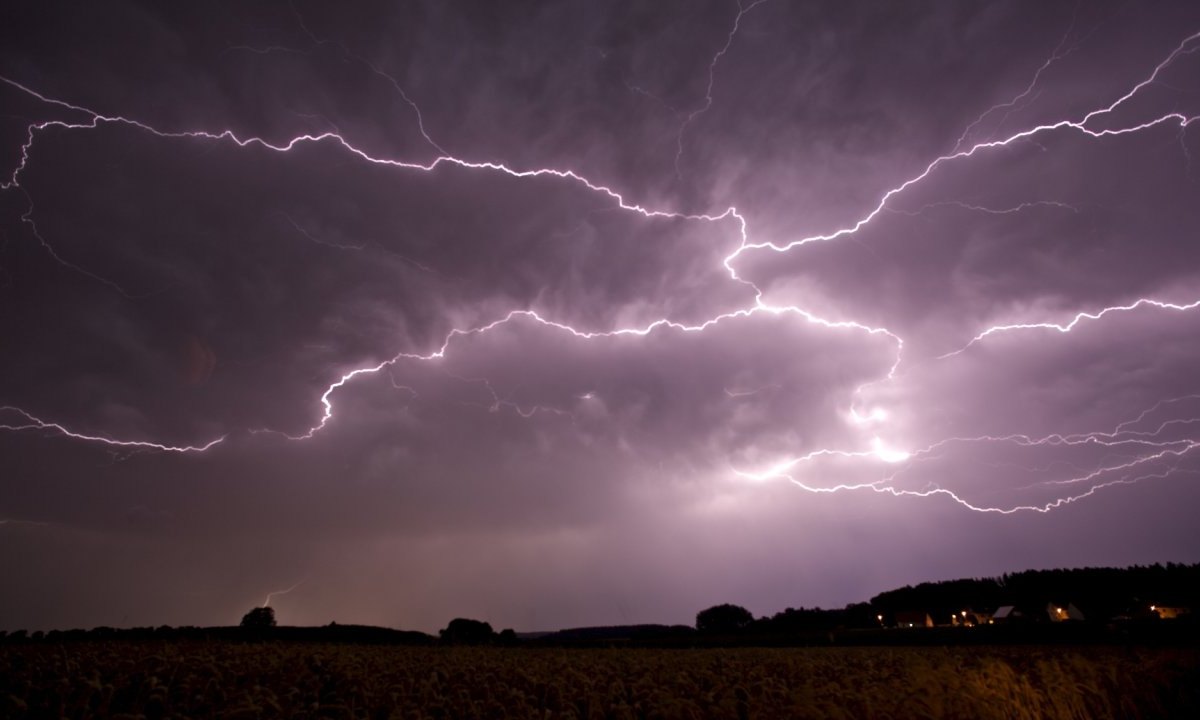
<point x="126" y="679"/>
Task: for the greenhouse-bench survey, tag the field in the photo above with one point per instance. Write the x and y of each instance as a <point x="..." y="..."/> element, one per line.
<point x="273" y="680"/>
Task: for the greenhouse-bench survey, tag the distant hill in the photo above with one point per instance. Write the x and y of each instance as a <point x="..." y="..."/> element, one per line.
<point x="613" y="634"/>
<point x="333" y="633"/>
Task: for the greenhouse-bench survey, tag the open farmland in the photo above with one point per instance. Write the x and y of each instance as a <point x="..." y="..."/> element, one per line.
<point x="275" y="680"/>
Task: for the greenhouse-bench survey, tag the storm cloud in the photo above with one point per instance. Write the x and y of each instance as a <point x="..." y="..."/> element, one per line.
<point x="580" y="313"/>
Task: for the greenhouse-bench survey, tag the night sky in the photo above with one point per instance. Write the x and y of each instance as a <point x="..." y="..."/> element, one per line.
<point x="583" y="313"/>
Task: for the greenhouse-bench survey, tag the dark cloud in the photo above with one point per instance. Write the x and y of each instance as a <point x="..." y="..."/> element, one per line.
<point x="573" y="397"/>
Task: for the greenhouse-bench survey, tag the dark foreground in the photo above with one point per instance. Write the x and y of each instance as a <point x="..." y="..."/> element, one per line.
<point x="276" y="680"/>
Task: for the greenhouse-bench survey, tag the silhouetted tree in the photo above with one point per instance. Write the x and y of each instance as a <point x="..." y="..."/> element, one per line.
<point x="507" y="636"/>
<point x="259" y="618"/>
<point x="723" y="619"/>
<point x="464" y="631"/>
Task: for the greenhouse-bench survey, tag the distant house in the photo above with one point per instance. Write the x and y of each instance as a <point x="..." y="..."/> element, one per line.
<point x="1007" y="614"/>
<point x="970" y="618"/>
<point x="913" y="618"/>
<point x="978" y="618"/>
<point x="1062" y="613"/>
<point x="1169" y="613"/>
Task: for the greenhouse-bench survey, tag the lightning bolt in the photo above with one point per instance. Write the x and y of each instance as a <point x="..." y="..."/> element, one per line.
<point x="28" y="422"/>
<point x="317" y="240"/>
<point x="708" y="90"/>
<point x="396" y="385"/>
<point x="1126" y="475"/>
<point x="1061" y="51"/>
<point x="533" y="316"/>
<point x="1074" y="322"/>
<point x="1105" y="475"/>
<point x="27" y="219"/>
<point x="1088" y="125"/>
<point x="1185" y="47"/>
<point x="750" y="393"/>
<point x="356" y="247"/>
<point x="987" y="210"/>
<point x="1155" y="408"/>
<point x="350" y="56"/>
<point x="498" y="403"/>
<point x="270" y="595"/>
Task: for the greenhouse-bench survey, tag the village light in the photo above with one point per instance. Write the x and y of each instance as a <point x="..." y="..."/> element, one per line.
<point x="1153" y="608"/>
<point x="964" y="613"/>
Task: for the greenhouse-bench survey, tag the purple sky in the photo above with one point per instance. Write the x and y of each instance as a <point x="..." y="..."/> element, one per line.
<point x="578" y="313"/>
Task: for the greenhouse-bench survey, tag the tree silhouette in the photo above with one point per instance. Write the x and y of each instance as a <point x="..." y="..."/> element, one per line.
<point x="723" y="619"/>
<point x="464" y="631"/>
<point x="259" y="618"/>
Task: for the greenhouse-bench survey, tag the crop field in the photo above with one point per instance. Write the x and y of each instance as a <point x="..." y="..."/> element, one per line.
<point x="127" y="679"/>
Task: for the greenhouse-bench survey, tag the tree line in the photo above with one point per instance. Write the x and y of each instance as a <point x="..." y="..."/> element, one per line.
<point x="1102" y="594"/>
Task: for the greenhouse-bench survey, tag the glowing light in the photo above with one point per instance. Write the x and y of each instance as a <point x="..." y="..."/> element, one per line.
<point x="875" y="415"/>
<point x="886" y="454"/>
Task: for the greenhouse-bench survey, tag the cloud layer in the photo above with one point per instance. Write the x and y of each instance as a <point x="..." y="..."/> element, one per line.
<point x="578" y="314"/>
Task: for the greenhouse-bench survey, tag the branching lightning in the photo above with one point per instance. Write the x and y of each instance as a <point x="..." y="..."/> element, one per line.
<point x="1061" y="51"/>
<point x="1074" y="322"/>
<point x="1081" y="125"/>
<point x="350" y="56"/>
<point x="27" y="422"/>
<point x="1127" y="472"/>
<point x="708" y="90"/>
<point x="1159" y="455"/>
